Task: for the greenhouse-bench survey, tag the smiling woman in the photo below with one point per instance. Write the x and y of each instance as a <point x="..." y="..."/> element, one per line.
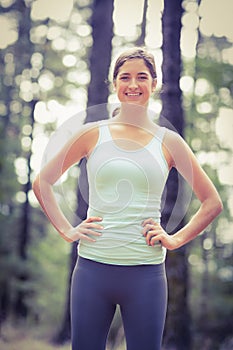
<point x="134" y="82"/>
<point x="134" y="76"/>
<point x="122" y="245"/>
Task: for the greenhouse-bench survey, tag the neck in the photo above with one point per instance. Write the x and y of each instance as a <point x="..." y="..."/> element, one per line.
<point x="134" y="114"/>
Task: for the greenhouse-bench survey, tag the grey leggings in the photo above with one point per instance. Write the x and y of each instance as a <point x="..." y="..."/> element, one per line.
<point x="141" y="293"/>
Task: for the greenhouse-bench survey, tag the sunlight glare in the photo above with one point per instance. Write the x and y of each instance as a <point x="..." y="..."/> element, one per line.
<point x="216" y="18"/>
<point x="84" y="30"/>
<point x="225" y="173"/>
<point x="188" y="42"/>
<point x="57" y="10"/>
<point x="42" y="114"/>
<point x="126" y="16"/>
<point x="46" y="81"/>
<point x="20" y="197"/>
<point x="204" y="107"/>
<point x="74" y="44"/>
<point x="154" y="36"/>
<point x="69" y="60"/>
<point x="224" y="126"/>
<point x="187" y="84"/>
<point x="59" y="44"/>
<point x="227" y="55"/>
<point x="8" y="28"/>
<point x="202" y="87"/>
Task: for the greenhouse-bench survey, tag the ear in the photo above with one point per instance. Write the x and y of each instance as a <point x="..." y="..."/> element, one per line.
<point x="154" y="84"/>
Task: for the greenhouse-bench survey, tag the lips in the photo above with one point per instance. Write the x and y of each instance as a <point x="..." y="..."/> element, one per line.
<point x="133" y="94"/>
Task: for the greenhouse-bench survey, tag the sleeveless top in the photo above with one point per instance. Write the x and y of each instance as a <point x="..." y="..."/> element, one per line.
<point x="125" y="188"/>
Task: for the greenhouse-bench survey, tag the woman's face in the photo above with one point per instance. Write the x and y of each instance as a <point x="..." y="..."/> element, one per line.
<point x="134" y="83"/>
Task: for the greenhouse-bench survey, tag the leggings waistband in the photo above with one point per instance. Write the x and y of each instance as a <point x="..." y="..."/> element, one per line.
<point x="150" y="268"/>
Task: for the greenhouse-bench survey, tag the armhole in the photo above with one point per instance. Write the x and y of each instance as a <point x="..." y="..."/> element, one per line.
<point x="89" y="155"/>
<point x="104" y="134"/>
<point x="162" y="133"/>
<point x="171" y="147"/>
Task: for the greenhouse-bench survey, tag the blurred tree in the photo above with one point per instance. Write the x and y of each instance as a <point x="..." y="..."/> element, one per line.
<point x="23" y="50"/>
<point x="17" y="59"/>
<point x="141" y="39"/>
<point x="7" y="188"/>
<point x="100" y="59"/>
<point x="215" y="78"/>
<point x="177" y="331"/>
<point x="8" y="183"/>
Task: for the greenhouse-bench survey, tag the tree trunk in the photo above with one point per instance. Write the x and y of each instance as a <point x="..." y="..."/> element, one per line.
<point x="100" y="59"/>
<point x="141" y="40"/>
<point x="177" y="329"/>
<point x="23" y="50"/>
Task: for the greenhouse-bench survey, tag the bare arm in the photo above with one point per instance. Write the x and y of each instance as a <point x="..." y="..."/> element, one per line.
<point x="71" y="153"/>
<point x="183" y="159"/>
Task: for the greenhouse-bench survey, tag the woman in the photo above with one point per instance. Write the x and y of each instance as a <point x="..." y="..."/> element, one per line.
<point x="122" y="246"/>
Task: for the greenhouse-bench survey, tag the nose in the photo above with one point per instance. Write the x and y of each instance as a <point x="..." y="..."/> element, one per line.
<point x="133" y="83"/>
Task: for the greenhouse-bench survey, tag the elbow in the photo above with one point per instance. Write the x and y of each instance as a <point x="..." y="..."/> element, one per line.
<point x="35" y="185"/>
<point x="40" y="187"/>
<point x="212" y="207"/>
<point x="217" y="206"/>
<point x="220" y="207"/>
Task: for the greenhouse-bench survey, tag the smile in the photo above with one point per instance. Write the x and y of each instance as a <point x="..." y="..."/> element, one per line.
<point x="133" y="94"/>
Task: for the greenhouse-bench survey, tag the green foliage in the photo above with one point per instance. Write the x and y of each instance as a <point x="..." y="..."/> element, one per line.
<point x="26" y="339"/>
<point x="22" y="64"/>
<point x="49" y="259"/>
<point x="211" y="276"/>
<point x="212" y="322"/>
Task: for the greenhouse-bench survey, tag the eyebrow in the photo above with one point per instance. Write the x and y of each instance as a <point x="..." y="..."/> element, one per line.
<point x="140" y="73"/>
<point x="143" y="73"/>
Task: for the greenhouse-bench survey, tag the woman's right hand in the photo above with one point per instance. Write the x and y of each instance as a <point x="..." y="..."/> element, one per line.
<point x="85" y="229"/>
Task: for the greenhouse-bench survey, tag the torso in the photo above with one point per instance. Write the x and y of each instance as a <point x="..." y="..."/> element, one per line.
<point x="127" y="173"/>
<point x="138" y="137"/>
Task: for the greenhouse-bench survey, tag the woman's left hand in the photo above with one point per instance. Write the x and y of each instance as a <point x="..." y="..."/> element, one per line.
<point x="153" y="232"/>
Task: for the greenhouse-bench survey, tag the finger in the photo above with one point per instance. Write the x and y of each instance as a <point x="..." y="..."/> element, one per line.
<point x="155" y="239"/>
<point x="147" y="228"/>
<point x="94" y="226"/>
<point x="148" y="221"/>
<point x="84" y="237"/>
<point x="76" y="236"/>
<point x="149" y="236"/>
<point x="93" y="218"/>
<point x="87" y="231"/>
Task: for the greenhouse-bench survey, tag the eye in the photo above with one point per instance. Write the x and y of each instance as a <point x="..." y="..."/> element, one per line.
<point x="142" y="77"/>
<point x="124" y="78"/>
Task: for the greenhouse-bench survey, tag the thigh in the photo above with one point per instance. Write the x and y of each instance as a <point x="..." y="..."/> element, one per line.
<point x="91" y="312"/>
<point x="144" y="312"/>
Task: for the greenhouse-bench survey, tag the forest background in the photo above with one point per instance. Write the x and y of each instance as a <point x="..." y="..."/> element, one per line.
<point x="54" y="64"/>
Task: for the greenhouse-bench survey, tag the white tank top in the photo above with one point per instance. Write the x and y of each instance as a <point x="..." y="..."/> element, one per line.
<point x="125" y="188"/>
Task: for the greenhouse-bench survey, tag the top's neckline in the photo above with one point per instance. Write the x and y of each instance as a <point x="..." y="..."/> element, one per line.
<point x="146" y="146"/>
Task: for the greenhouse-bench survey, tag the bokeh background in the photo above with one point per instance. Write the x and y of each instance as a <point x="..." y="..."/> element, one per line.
<point x="55" y="75"/>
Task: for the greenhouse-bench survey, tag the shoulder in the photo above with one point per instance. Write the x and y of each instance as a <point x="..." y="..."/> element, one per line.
<point x="83" y="140"/>
<point x="173" y="141"/>
<point x="88" y="128"/>
<point x="171" y="136"/>
<point x="86" y="131"/>
<point x="177" y="148"/>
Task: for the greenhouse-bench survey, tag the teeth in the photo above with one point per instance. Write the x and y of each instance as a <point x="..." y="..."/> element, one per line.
<point x="131" y="94"/>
